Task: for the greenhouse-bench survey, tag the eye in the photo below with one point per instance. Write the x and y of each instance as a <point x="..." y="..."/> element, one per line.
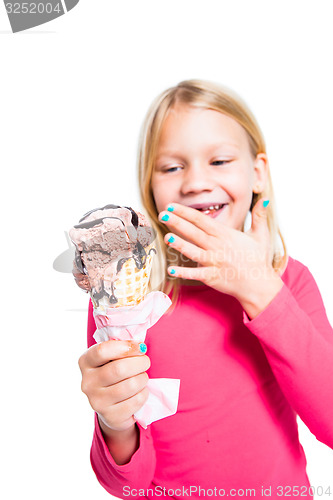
<point x="171" y="169"/>
<point x="220" y="162"/>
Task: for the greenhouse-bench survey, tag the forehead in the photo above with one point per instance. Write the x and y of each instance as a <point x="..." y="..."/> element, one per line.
<point x="186" y="124"/>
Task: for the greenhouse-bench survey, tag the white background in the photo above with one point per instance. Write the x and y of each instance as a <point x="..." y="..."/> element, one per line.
<point x="73" y="94"/>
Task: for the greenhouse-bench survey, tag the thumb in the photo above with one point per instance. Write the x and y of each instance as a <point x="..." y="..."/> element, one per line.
<point x="259" y="217"/>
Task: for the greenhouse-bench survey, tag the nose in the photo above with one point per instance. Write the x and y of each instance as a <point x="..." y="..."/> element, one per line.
<point x="196" y="179"/>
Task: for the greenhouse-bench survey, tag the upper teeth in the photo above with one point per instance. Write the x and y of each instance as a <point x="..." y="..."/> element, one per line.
<point x="213" y="207"/>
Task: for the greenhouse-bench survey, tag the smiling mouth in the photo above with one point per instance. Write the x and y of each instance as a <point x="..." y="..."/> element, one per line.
<point x="212" y="210"/>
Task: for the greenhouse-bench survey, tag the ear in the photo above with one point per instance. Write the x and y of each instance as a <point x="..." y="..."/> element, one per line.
<point x="261" y="168"/>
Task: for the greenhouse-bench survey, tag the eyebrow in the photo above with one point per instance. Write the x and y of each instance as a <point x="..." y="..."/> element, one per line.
<point x="169" y="154"/>
<point x="223" y="144"/>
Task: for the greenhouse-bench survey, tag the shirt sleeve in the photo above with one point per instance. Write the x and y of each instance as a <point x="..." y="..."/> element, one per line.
<point x="119" y="480"/>
<point x="297" y="338"/>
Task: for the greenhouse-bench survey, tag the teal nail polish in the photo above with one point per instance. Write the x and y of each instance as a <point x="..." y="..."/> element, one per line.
<point x="143" y="348"/>
<point x="170" y="208"/>
<point x="165" y="217"/>
<point x="172" y="271"/>
<point x="171" y="239"/>
<point x="265" y="203"/>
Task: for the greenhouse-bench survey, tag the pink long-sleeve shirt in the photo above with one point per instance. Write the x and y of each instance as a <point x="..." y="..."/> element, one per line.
<point x="242" y="383"/>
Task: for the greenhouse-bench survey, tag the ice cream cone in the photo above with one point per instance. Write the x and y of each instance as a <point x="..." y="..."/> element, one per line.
<point x="131" y="284"/>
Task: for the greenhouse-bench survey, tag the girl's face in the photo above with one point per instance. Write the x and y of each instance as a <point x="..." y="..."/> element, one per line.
<point x="204" y="161"/>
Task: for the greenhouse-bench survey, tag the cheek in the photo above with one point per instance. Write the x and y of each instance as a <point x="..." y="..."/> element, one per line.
<point x="159" y="203"/>
<point x="165" y="190"/>
<point x="240" y="192"/>
<point x="240" y="187"/>
<point x="158" y="193"/>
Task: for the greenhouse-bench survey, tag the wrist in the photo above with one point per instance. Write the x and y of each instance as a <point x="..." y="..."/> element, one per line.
<point x="261" y="295"/>
<point x="122" y="444"/>
<point x="116" y="434"/>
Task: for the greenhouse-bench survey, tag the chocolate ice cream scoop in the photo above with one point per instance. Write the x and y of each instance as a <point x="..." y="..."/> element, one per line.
<point x="105" y="239"/>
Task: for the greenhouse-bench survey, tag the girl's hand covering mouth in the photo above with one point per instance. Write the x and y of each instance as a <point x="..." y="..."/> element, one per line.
<point x="231" y="261"/>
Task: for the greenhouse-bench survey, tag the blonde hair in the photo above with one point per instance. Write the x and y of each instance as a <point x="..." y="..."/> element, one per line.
<point x="212" y="96"/>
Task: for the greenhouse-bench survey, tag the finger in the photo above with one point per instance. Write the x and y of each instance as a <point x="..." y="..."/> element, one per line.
<point x="186" y="229"/>
<point x="195" y="217"/>
<point x="193" y="252"/>
<point x="104" y="352"/>
<point x="259" y="224"/>
<point x="190" y="273"/>
<point x="123" y="390"/>
<point x="124" y="411"/>
<point x="121" y="369"/>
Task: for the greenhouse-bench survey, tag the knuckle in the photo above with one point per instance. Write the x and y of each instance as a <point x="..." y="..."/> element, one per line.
<point x="100" y="350"/>
<point x="132" y="385"/>
<point x="145" y="378"/>
<point x="138" y="383"/>
<point x="119" y="369"/>
<point x="200" y="255"/>
<point x="81" y="361"/>
<point x="97" y="404"/>
<point x="261" y="214"/>
<point x="142" y="396"/>
<point x="116" y="393"/>
<point x="146" y="362"/>
<point x="85" y="386"/>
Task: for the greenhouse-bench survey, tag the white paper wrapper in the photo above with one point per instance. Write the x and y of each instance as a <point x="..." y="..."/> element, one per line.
<point x="132" y="323"/>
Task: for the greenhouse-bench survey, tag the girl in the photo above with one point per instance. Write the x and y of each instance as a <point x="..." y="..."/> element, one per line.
<point x="247" y="333"/>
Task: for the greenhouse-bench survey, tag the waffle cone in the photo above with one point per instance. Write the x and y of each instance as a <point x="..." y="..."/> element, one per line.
<point x="131" y="284"/>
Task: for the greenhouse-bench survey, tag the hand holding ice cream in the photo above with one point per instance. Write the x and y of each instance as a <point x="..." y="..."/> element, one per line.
<point x="113" y="260"/>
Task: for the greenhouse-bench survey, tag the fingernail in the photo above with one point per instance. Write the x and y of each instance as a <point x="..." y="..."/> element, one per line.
<point x="143" y="348"/>
<point x="265" y="203"/>
<point x="171" y="239"/>
<point x="172" y="270"/>
<point x="170" y="208"/>
<point x="165" y="217"/>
